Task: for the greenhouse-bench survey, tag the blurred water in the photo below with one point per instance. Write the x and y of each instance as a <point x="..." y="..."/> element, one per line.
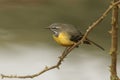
<point x="80" y="64"/>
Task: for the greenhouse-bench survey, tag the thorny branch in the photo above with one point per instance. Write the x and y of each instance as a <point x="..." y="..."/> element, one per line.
<point x="68" y="50"/>
<point x="114" y="42"/>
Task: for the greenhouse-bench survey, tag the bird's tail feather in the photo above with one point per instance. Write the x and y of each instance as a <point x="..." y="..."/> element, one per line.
<point x="96" y="44"/>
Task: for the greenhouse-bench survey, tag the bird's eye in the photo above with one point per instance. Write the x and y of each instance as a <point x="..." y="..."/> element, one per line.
<point x="54" y="28"/>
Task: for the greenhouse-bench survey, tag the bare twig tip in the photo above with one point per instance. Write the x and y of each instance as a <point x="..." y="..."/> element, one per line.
<point x="1" y="76"/>
<point x="46" y="67"/>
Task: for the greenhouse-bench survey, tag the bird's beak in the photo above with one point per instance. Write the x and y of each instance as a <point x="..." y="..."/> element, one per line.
<point x="46" y="28"/>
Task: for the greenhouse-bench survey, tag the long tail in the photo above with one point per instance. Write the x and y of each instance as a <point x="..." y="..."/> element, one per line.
<point x="96" y="44"/>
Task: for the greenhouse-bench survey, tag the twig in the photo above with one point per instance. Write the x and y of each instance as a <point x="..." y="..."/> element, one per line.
<point x="114" y="43"/>
<point x="61" y="58"/>
<point x="99" y="19"/>
<point x="95" y="23"/>
<point x="66" y="52"/>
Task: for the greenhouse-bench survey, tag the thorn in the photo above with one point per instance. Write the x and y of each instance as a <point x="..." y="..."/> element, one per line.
<point x="112" y="51"/>
<point x="109" y="67"/>
<point x="110" y="32"/>
<point x="60" y="57"/>
<point x="119" y="6"/>
<point x="46" y="67"/>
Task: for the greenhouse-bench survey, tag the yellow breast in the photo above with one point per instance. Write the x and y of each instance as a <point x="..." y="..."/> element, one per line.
<point x="63" y="39"/>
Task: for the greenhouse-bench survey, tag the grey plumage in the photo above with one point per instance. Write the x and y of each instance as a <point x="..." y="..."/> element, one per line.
<point x="74" y="34"/>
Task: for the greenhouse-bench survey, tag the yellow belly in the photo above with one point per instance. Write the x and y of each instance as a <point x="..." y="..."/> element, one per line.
<point x="63" y="39"/>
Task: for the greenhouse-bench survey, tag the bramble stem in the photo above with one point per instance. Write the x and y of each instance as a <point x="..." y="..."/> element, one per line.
<point x="114" y="42"/>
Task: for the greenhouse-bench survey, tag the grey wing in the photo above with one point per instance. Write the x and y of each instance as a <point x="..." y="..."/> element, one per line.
<point x="75" y="36"/>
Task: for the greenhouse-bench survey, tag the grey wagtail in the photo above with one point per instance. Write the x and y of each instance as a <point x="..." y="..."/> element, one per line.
<point x="68" y="35"/>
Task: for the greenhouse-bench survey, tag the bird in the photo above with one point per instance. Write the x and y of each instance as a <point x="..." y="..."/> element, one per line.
<point x="67" y="35"/>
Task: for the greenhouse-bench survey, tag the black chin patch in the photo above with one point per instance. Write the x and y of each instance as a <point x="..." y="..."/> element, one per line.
<point x="56" y="33"/>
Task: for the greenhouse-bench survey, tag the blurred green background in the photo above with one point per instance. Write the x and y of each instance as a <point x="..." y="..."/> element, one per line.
<point x="23" y="21"/>
<point x="23" y="39"/>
